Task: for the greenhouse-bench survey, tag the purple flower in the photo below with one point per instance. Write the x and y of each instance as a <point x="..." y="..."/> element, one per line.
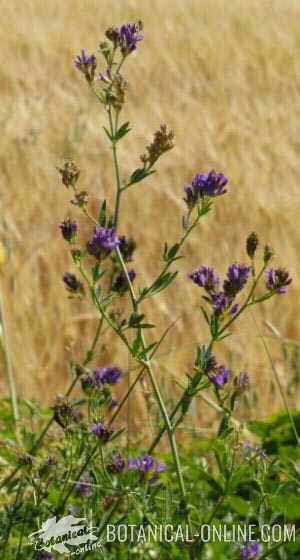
<point x="219" y="302"/>
<point x="83" y="487"/>
<point x="86" y="64"/>
<point x="203" y="184"/>
<point x="147" y="467"/>
<point x="205" y="277"/>
<point x="128" y="36"/>
<point x="101" y="431"/>
<point x="119" y="282"/>
<point x="219" y="376"/>
<point x="258" y="450"/>
<point x="68" y="229"/>
<point x="247" y="450"/>
<point x="237" y="276"/>
<point x="127" y="247"/>
<point x="102" y="242"/>
<point x="116" y="464"/>
<point x="73" y="284"/>
<point x="109" y="374"/>
<point x="277" y="280"/>
<point x="44" y="556"/>
<point x="250" y="551"/>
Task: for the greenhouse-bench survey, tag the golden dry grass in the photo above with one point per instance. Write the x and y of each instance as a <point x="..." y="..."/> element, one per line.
<point x="224" y="75"/>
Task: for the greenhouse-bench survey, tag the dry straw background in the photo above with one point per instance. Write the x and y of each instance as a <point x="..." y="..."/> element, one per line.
<point x="225" y="76"/>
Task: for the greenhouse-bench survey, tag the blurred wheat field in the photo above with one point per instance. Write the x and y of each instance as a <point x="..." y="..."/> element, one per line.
<point x="225" y="77"/>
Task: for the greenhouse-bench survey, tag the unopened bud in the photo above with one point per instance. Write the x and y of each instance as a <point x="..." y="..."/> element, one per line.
<point x="251" y="244"/>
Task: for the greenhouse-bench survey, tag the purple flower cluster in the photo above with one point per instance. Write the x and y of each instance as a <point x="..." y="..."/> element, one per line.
<point x="103" y="242"/>
<point x="237" y="276"/>
<point x="205" y="184"/>
<point x="44" y="556"/>
<point x="250" y="451"/>
<point x="86" y="64"/>
<point x="250" y="551"/>
<point x="127" y="246"/>
<point x="73" y="284"/>
<point x="145" y="465"/>
<point x="83" y="487"/>
<point x="206" y="278"/>
<point x="65" y="413"/>
<point x="278" y="280"/>
<point x="219" y="376"/>
<point x="126" y="37"/>
<point x="68" y="229"/>
<point x="119" y="282"/>
<point x="117" y="464"/>
<point x="109" y="375"/>
<point x="102" y="431"/>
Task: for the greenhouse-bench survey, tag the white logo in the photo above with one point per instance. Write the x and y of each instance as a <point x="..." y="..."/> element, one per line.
<point x="55" y="535"/>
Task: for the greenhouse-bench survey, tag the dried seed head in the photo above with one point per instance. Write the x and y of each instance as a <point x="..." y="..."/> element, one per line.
<point x="69" y="173"/>
<point x="162" y="142"/>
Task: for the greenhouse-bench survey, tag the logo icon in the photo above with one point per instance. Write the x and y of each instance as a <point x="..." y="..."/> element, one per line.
<point x="69" y="530"/>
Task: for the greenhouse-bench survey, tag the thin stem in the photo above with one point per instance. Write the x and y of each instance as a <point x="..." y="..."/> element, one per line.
<point x="60" y="507"/>
<point x="138" y="377"/>
<point x="8" y="364"/>
<point x="146" y="362"/>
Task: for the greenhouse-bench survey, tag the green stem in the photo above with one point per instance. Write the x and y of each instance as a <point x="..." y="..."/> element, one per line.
<point x="8" y="364"/>
<point x="146" y="362"/>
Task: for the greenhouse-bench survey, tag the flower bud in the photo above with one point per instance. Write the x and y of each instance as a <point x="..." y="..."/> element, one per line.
<point x="268" y="253"/>
<point x="251" y="244"/>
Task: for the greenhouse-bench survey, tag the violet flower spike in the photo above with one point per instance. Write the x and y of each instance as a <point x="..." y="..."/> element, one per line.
<point x="101" y="431"/>
<point x="116" y="464"/>
<point x="205" y="277"/>
<point x="203" y="185"/>
<point x="250" y="551"/>
<point x="86" y="64"/>
<point x="219" y="377"/>
<point x="103" y="242"/>
<point x="73" y="284"/>
<point x="278" y="280"/>
<point x="68" y="229"/>
<point x="128" y="36"/>
<point x="237" y="276"/>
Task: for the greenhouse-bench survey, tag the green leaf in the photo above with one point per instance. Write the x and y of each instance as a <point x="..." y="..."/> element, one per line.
<point x="124" y="129"/>
<point x="172" y="252"/>
<point x="102" y="215"/>
<point x="212" y="482"/>
<point x="162" y="282"/>
<point x="139" y="174"/>
<point x="242" y="507"/>
<point x="288" y="505"/>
